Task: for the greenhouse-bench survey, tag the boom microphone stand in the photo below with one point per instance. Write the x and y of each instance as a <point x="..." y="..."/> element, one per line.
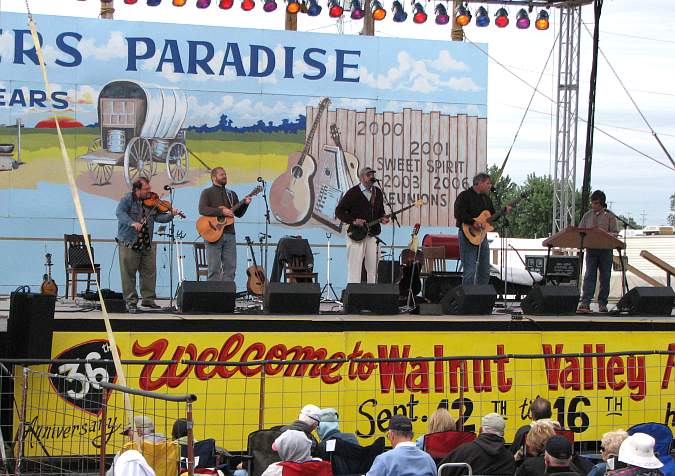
<point x="266" y="236"/>
<point x="395" y="222"/>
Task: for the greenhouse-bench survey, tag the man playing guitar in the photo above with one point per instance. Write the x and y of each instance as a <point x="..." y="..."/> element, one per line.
<point x="362" y="203"/>
<point x="468" y="205"/>
<point x="218" y="201"/>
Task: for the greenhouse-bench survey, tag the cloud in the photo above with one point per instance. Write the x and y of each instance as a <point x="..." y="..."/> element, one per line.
<point x="244" y="111"/>
<point x="421" y="75"/>
<point x="115" y="47"/>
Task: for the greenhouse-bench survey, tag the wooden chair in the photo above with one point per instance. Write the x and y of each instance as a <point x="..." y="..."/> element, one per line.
<point x="201" y="266"/>
<point x="296" y="271"/>
<point x="434" y="259"/>
<point x="76" y="260"/>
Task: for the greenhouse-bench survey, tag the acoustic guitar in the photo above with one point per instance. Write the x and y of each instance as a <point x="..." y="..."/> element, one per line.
<point x="412" y="259"/>
<point x="359" y="232"/>
<point x="485" y="218"/>
<point x="256" y="282"/>
<point x="211" y="228"/>
<point x="292" y="194"/>
<point x="48" y="285"/>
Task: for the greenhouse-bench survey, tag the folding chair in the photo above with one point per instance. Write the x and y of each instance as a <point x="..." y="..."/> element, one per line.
<point x="441" y="444"/>
<point x="308" y="468"/>
<point x="76" y="260"/>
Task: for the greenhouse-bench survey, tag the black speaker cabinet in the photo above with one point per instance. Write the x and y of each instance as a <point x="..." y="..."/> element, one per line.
<point x="30" y="325"/>
<point x="384" y="271"/>
<point x="437" y="285"/>
<point x="648" y="301"/>
<point x="470" y="299"/>
<point x="373" y="298"/>
<point x="206" y="297"/>
<point x="551" y="300"/>
<point x="292" y="298"/>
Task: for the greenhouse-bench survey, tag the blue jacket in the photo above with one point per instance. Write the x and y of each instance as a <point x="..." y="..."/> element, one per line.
<point x="130" y="211"/>
<point x="404" y="460"/>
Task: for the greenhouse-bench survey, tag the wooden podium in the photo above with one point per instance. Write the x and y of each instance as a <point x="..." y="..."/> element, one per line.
<point x="585" y="238"/>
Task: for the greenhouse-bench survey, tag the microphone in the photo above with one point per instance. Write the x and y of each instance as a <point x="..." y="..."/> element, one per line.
<point x="261" y="180"/>
<point x="168" y="187"/>
<point x="374" y="180"/>
<point x="493" y="189"/>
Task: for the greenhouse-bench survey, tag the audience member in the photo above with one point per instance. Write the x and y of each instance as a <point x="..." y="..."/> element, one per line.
<point x="637" y="453"/>
<point x="328" y="427"/>
<point x="307" y="421"/>
<point x="487" y="454"/>
<point x="609" y="448"/>
<point x="440" y="420"/>
<point x="179" y="431"/>
<point x="558" y="457"/>
<point x="535" y="442"/>
<point x="130" y="463"/>
<point x="404" y="459"/>
<point x="540" y="408"/>
<point x="145" y="428"/>
<point x="292" y="445"/>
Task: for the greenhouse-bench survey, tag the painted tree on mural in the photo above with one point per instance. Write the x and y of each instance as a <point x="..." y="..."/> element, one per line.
<point x="671" y="215"/>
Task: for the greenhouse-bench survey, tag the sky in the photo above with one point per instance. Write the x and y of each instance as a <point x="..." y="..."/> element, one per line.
<point x="638" y="46"/>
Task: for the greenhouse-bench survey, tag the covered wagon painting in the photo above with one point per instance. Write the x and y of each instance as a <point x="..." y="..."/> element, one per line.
<point x="140" y="126"/>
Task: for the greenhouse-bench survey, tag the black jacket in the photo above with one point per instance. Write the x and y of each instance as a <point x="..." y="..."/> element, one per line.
<point x="469" y="205"/>
<point x="486" y="455"/>
<point x="535" y="466"/>
<point x="519" y="438"/>
<point x="354" y="204"/>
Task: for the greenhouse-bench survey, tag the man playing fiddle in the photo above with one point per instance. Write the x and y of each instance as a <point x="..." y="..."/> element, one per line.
<point x="135" y="227"/>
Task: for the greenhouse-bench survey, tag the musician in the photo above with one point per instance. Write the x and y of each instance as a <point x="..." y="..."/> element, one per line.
<point x="135" y="227"/>
<point x="597" y="260"/>
<point x="218" y="201"/>
<point x="361" y="204"/>
<point x="469" y="204"/>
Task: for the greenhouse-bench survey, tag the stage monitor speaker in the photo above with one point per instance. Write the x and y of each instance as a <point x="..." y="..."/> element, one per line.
<point x="647" y="301"/>
<point x="470" y="299"/>
<point x="384" y="271"/>
<point x="292" y="298"/>
<point x="373" y="298"/>
<point x="551" y="301"/>
<point x="30" y="325"/>
<point x="437" y="285"/>
<point x="206" y="297"/>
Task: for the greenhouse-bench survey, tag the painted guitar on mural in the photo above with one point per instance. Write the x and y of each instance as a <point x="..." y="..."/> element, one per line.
<point x="292" y="193"/>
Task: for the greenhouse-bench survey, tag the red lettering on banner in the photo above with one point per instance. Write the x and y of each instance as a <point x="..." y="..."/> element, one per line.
<point x="439" y="381"/>
<point x="484" y="383"/>
<point x="418" y="379"/>
<point x="667" y="372"/>
<point x="353" y="365"/>
<point x="155" y="351"/>
<point x="552" y="365"/>
<point x="503" y="383"/>
<point x="637" y="377"/>
<point x="615" y="367"/>
<point x="210" y="354"/>
<point x="395" y="371"/>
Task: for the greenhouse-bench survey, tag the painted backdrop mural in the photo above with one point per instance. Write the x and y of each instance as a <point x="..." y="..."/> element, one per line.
<point x="302" y="111"/>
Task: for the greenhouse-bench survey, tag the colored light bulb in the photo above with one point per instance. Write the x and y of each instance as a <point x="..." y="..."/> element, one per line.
<point x="482" y="17"/>
<point x="522" y="19"/>
<point x="203" y="3"/>
<point x="542" y="22"/>
<point x="293" y="6"/>
<point x="226" y="4"/>
<point x="335" y="10"/>
<point x="378" y="12"/>
<point x="130" y="2"/>
<point x="462" y="16"/>
<point x="420" y="16"/>
<point x="179" y="3"/>
<point x="247" y="5"/>
<point x="502" y="18"/>
<point x="313" y="9"/>
<point x="357" y="12"/>
<point x="153" y="3"/>
<point x="442" y="17"/>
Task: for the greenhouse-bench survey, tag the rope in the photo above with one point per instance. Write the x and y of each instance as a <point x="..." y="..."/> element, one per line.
<point x="637" y="108"/>
<point x="80" y="215"/>
<point x="506" y="68"/>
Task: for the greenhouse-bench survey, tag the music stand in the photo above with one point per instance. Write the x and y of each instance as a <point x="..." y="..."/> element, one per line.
<point x="581" y="239"/>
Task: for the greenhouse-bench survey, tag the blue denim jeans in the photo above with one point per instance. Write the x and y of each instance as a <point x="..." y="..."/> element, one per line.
<point x="468" y="254"/>
<point x="221" y="257"/>
<point x="597" y="260"/>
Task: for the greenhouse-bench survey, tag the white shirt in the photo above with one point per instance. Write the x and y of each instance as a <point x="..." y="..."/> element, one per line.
<point x="367" y="192"/>
<point x="130" y="463"/>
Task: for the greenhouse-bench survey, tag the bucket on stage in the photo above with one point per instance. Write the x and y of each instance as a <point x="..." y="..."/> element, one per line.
<point x="449" y="242"/>
<point x="116" y="141"/>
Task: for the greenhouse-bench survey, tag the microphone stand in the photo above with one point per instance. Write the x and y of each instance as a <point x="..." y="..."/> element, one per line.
<point x="394" y="222"/>
<point x="172" y="237"/>
<point x="504" y="234"/>
<point x="267" y="221"/>
<point x="626" y="225"/>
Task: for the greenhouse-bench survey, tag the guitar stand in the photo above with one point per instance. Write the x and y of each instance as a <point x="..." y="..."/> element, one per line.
<point x="328" y="287"/>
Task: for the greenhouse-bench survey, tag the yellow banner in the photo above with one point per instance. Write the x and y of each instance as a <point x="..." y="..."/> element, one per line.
<point x="590" y="394"/>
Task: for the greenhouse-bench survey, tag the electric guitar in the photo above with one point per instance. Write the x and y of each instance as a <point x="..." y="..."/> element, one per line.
<point x="211" y="228"/>
<point x="48" y="284"/>
<point x="359" y="232"/>
<point x="257" y="280"/>
<point x="292" y="194"/>
<point x="485" y="218"/>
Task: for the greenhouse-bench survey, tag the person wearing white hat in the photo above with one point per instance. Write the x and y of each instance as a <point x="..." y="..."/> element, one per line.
<point x="637" y="452"/>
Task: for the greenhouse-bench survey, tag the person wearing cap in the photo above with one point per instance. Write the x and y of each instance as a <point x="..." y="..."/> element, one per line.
<point x="361" y="204"/>
<point x="487" y="454"/>
<point x="597" y="261"/>
<point x="558" y="457"/>
<point x="307" y="422"/>
<point x="145" y="428"/>
<point x="404" y="459"/>
<point x="328" y="428"/>
<point x="637" y="453"/>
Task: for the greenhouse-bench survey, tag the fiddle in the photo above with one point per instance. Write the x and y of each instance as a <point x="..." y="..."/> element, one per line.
<point x="162" y="206"/>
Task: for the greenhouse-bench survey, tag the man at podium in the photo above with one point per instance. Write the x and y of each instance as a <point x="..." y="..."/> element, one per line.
<point x="597" y="260"/>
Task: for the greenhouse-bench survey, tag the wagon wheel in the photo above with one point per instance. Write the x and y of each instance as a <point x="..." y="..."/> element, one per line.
<point x="99" y="173"/>
<point x="177" y="162"/>
<point x="138" y="160"/>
